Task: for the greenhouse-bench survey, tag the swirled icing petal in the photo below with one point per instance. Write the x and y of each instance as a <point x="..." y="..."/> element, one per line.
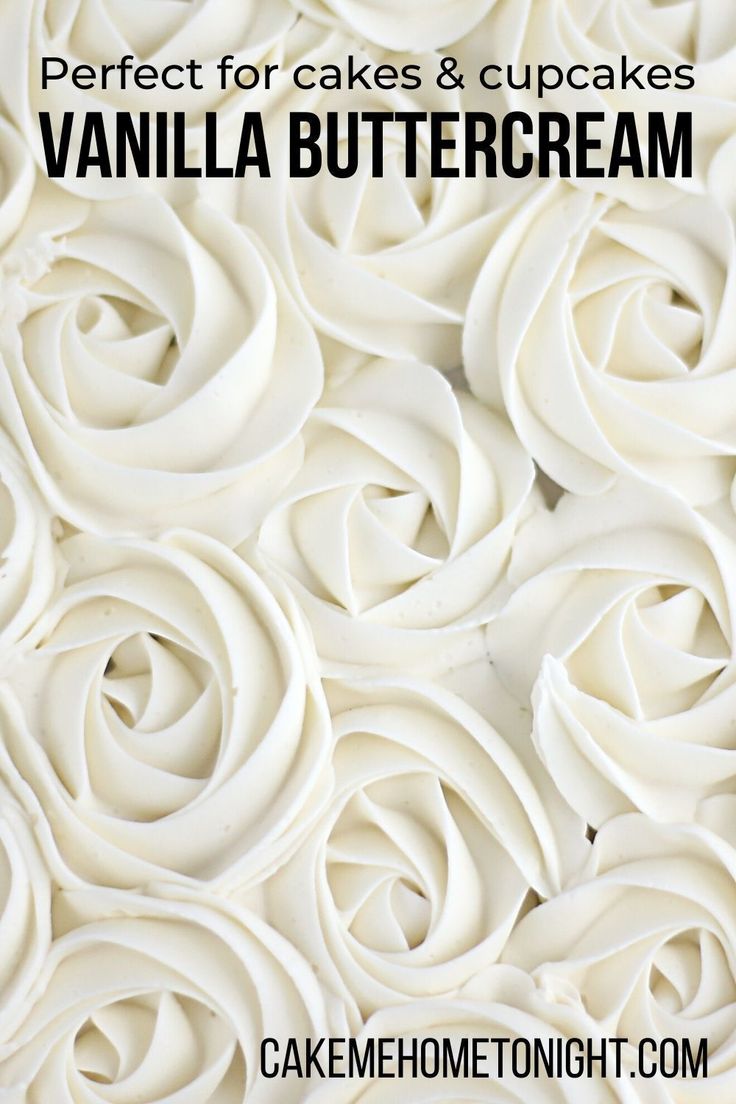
<point x="169" y="720"/>
<point x="16" y="165"/>
<point x="30" y="568"/>
<point x="95" y="32"/>
<point x="609" y="39"/>
<point x="25" y="910"/>
<point x="395" y="534"/>
<point x="161" y="1000"/>
<point x="417" y="25"/>
<point x="151" y="379"/>
<point x="412" y="879"/>
<point x="382" y="264"/>
<point x="606" y="335"/>
<point x="623" y="616"/>
<point x="502" y="1003"/>
<point x="646" y="942"/>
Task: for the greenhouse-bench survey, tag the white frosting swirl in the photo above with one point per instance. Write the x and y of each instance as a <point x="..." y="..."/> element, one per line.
<point x="415" y="25"/>
<point x="161" y="1001"/>
<point x="16" y="180"/>
<point x="412" y="880"/>
<point x="503" y="1003"/>
<point x="630" y="597"/>
<point x="29" y="564"/>
<point x="370" y="257"/>
<point x="397" y="530"/>
<point x="152" y="378"/>
<point x="170" y="722"/>
<point x="646" y="944"/>
<point x="607" y="335"/>
<point x="93" y="33"/>
<point x="25" y="910"/>
<point x="617" y="37"/>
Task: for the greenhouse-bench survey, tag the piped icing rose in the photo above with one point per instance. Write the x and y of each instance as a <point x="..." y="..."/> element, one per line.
<point x="395" y="534"/>
<point x="496" y="1012"/>
<point x="169" y="721"/>
<point x="606" y="334"/>
<point x="155" y="371"/>
<point x="158" y="1000"/>
<point x="621" y="630"/>
<point x="609" y="57"/>
<point x="16" y="180"/>
<point x="416" y="25"/>
<point x="432" y="844"/>
<point x="382" y="261"/>
<point x="30" y="567"/>
<point x="645" y="944"/>
<point x="92" y="33"/>
<point x="25" y="910"/>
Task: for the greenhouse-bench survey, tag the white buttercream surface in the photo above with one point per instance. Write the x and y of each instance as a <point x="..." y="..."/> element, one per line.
<point x="367" y="569"/>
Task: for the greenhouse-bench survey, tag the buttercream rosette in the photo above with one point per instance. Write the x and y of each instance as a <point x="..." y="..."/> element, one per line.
<point x="641" y="57"/>
<point x="620" y="629"/>
<point x="25" y="911"/>
<point x="503" y="1003"/>
<point x="645" y="945"/>
<point x="156" y="1000"/>
<point x="155" y="370"/>
<point x="30" y="567"/>
<point x="17" y="175"/>
<point x="395" y="535"/>
<point x="417" y="25"/>
<point x="92" y="33"/>
<point x="169" y="722"/>
<point x="607" y="334"/>
<point x="434" y="843"/>
<point x="381" y="261"/>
